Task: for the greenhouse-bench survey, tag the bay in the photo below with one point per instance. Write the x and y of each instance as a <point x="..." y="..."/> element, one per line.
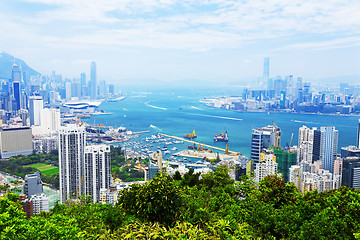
<point x="178" y="111"/>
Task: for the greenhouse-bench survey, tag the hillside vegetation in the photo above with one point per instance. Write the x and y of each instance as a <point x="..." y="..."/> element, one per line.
<point x="213" y="207"/>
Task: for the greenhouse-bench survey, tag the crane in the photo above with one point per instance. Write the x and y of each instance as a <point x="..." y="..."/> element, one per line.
<point x="276" y="135"/>
<point x="292" y="135"/>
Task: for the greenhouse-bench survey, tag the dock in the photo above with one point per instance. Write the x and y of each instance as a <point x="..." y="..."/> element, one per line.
<point x="201" y="144"/>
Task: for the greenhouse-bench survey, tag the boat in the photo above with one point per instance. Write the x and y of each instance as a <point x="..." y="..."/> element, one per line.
<point x="222" y="137"/>
<point x="174" y="149"/>
<point x="191" y="136"/>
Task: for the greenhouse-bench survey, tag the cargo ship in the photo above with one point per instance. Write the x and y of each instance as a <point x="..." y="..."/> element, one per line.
<point x="191" y="136"/>
<point x="222" y="137"/>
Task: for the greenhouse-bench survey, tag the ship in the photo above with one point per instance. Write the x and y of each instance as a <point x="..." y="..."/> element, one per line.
<point x="191" y="136"/>
<point x="222" y="137"/>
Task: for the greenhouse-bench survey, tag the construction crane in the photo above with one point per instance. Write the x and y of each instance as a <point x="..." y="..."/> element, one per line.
<point x="227" y="148"/>
<point x="276" y="135"/>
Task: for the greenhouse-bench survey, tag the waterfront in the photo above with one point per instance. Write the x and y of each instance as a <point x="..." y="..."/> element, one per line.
<point x="177" y="112"/>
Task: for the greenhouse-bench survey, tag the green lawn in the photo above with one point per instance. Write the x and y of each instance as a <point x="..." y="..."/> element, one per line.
<point x="45" y="168"/>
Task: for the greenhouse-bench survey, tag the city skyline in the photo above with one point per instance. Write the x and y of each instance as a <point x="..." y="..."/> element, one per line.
<point x="170" y="41"/>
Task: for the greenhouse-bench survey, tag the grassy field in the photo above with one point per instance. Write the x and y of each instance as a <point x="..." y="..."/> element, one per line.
<point x="45" y="168"/>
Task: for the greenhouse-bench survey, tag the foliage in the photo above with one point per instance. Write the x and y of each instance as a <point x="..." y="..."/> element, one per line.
<point x="190" y="207"/>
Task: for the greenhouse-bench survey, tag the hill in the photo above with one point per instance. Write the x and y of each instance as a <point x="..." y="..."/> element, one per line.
<point x="6" y="63"/>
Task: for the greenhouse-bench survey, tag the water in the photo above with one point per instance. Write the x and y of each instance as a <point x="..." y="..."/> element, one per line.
<point x="159" y="111"/>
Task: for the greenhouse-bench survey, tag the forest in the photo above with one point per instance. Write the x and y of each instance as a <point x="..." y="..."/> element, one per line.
<point x="212" y="206"/>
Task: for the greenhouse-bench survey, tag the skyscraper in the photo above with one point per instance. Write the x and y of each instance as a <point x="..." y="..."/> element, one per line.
<point x="17" y="95"/>
<point x="16" y="73"/>
<point x="263" y="138"/>
<point x="35" y="108"/>
<point x="71" y="161"/>
<point x="83" y="84"/>
<point x="266" y="79"/>
<point x="97" y="170"/>
<point x="328" y="147"/>
<point x="93" y="85"/>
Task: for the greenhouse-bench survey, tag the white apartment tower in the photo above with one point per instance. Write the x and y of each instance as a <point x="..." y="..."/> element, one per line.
<point x="97" y="170"/>
<point x="328" y="147"/>
<point x="266" y="167"/>
<point x="71" y="161"/>
<point x="35" y="108"/>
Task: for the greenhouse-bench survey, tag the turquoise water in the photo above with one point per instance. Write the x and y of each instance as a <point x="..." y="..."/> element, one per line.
<point x="158" y="111"/>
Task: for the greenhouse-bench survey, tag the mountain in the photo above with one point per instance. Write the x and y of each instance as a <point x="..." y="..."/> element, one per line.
<point x="6" y="63"/>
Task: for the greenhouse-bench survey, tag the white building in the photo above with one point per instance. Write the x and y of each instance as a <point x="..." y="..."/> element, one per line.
<point x="71" y="161"/>
<point x="97" y="170"/>
<point x="40" y="203"/>
<point x="35" y="108"/>
<point x="266" y="167"/>
<point x="305" y="152"/>
<point x="49" y="122"/>
<point x="295" y="176"/>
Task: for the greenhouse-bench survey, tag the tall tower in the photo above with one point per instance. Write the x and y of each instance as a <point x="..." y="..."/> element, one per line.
<point x="328" y="147"/>
<point x="97" y="170"/>
<point x="35" y="108"/>
<point x="266" y="74"/>
<point x="15" y="72"/>
<point x="83" y="84"/>
<point x="71" y="161"/>
<point x="17" y="95"/>
<point x="93" y="80"/>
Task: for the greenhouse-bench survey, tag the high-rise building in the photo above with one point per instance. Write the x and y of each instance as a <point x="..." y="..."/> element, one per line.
<point x="35" y="108"/>
<point x="285" y="159"/>
<point x="351" y="172"/>
<point x="266" y="167"/>
<point x="295" y="176"/>
<point x="83" y="84"/>
<point x="33" y="184"/>
<point x="328" y="147"/>
<point x="71" y="161"/>
<point x="93" y="86"/>
<point x="68" y="90"/>
<point x="263" y="138"/>
<point x="17" y="95"/>
<point x="266" y="74"/>
<point x="97" y="169"/>
<point x="15" y="73"/>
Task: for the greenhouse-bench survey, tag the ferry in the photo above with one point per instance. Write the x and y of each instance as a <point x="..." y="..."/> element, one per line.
<point x="222" y="137"/>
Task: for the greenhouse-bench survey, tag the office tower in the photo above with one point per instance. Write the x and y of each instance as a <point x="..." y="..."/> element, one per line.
<point x="351" y="172"/>
<point x="306" y="92"/>
<point x="266" y="167"/>
<point x="266" y="74"/>
<point x="33" y="184"/>
<point x="289" y="87"/>
<point x="102" y="88"/>
<point x="328" y="147"/>
<point x="71" y="161"/>
<point x="40" y="203"/>
<point x="49" y="122"/>
<point x="68" y="90"/>
<point x="17" y="95"/>
<point x="299" y="90"/>
<point x="316" y="145"/>
<point x="35" y="108"/>
<point x="97" y="174"/>
<point x="263" y="138"/>
<point x="93" y="86"/>
<point x="350" y="151"/>
<point x="15" y="73"/>
<point x="15" y="141"/>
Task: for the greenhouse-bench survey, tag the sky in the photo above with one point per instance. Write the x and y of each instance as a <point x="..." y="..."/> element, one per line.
<point x="182" y="40"/>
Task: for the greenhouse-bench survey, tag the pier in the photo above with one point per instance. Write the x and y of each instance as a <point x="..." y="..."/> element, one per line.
<point x="201" y="144"/>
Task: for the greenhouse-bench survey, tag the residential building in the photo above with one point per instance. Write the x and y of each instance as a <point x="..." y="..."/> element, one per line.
<point x="97" y="171"/>
<point x="33" y="184"/>
<point x="35" y="107"/>
<point x="266" y="167"/>
<point x="263" y="138"/>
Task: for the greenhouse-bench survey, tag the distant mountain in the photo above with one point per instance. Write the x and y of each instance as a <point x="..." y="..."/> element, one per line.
<point x="6" y="63"/>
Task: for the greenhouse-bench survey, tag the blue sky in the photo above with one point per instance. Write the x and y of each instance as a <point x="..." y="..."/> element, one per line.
<point x="172" y="40"/>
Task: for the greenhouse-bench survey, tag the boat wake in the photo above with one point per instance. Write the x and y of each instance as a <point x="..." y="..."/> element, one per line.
<point x="124" y="109"/>
<point x="196" y="108"/>
<point x="214" y="116"/>
<point x="298" y="121"/>
<point x="156" y="128"/>
<point x="147" y="104"/>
